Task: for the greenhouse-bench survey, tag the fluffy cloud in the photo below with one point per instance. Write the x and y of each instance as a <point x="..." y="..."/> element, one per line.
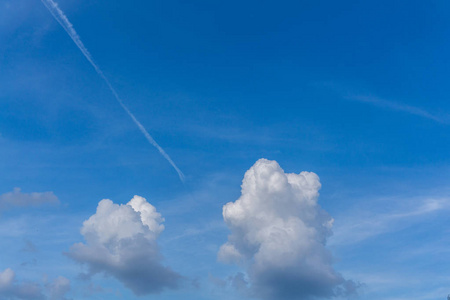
<point x="121" y="240"/>
<point x="10" y="289"/>
<point x="279" y="232"/>
<point x="17" y="198"/>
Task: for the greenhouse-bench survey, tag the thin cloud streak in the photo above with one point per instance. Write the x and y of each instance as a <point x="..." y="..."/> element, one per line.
<point x="59" y="16"/>
<point x="398" y="107"/>
<point x="359" y="228"/>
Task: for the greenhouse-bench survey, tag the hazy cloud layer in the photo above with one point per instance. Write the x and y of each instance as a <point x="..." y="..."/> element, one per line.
<point x="121" y="242"/>
<point x="278" y="233"/>
<point x="18" y="199"/>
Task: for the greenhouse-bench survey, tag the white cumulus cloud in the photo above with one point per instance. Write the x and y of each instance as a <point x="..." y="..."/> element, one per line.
<point x="279" y="234"/>
<point x="121" y="241"/>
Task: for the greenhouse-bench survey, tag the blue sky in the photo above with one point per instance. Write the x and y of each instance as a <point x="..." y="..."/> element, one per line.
<point x="356" y="92"/>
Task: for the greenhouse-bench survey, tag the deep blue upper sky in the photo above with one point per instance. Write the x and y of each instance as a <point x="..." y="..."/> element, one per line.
<point x="355" y="91"/>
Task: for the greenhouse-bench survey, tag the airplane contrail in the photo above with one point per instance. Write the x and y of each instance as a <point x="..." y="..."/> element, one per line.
<point x="59" y="16"/>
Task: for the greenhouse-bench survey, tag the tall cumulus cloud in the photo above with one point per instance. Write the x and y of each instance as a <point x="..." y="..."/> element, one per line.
<point x="121" y="241"/>
<point x="279" y="234"/>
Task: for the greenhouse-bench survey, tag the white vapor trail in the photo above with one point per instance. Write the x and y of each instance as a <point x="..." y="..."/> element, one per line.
<point x="59" y="16"/>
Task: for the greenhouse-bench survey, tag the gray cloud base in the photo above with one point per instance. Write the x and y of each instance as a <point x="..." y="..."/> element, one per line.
<point x="279" y="233"/>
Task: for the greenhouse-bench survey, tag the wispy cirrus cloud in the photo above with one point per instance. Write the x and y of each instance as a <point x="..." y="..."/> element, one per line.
<point x="383" y="103"/>
<point x="352" y="94"/>
<point x="361" y="226"/>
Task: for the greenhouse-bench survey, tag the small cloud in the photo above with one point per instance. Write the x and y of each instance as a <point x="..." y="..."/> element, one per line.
<point x="121" y="241"/>
<point x="239" y="283"/>
<point x="58" y="288"/>
<point x="28" y="263"/>
<point x="29" y="247"/>
<point x="10" y="289"/>
<point x="18" y="199"/>
<point x="92" y="289"/>
<point x="278" y="233"/>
